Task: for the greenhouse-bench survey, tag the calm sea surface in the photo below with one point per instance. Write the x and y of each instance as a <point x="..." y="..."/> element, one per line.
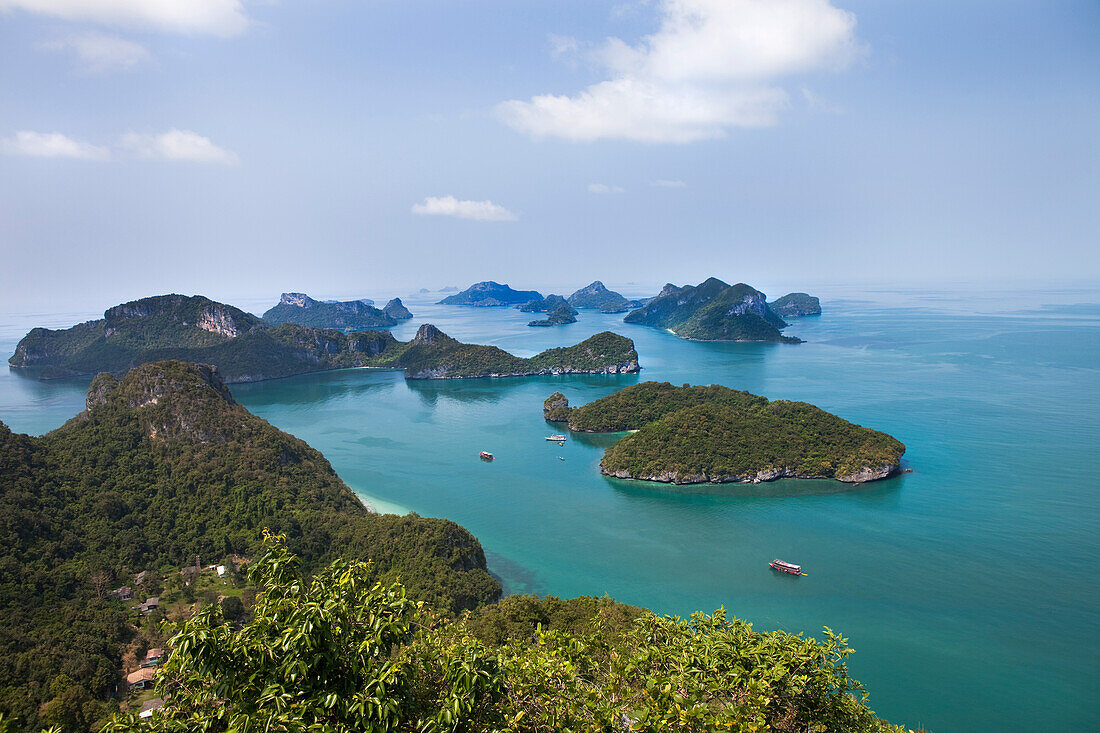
<point x="970" y="588"/>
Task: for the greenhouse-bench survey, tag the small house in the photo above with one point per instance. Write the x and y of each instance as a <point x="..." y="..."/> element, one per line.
<point x="150" y="605"/>
<point x="140" y="577"/>
<point x="153" y="657"/>
<point x="123" y="594"/>
<point x="141" y="679"/>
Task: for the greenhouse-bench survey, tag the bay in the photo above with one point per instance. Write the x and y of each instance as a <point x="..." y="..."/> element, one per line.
<point x="968" y="587"/>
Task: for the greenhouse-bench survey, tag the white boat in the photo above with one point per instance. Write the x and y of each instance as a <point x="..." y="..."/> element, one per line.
<point x="556" y="438"/>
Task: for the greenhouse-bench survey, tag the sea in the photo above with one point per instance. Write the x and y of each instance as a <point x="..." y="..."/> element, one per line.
<point x="969" y="588"/>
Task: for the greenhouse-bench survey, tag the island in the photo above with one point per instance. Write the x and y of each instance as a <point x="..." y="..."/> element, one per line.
<point x="396" y="310"/>
<point x="161" y="468"/>
<point x="352" y="315"/>
<point x="490" y="294"/>
<point x="599" y="297"/>
<point x="796" y="305"/>
<point x="542" y="305"/>
<point x="561" y="315"/>
<point x="713" y="311"/>
<point x="246" y="349"/>
<point x="713" y="434"/>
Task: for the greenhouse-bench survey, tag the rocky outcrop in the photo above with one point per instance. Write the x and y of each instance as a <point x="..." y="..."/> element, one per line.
<point x="555" y="408"/>
<point x="771" y="474"/>
<point x="217" y="319"/>
<point x="350" y="315"/>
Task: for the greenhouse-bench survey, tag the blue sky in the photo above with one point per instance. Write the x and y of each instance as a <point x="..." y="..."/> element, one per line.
<point x="240" y="149"/>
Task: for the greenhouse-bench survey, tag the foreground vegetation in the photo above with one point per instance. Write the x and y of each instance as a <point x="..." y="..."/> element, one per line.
<point x="716" y="434"/>
<point x="164" y="467"/>
<point x="342" y="652"/>
<point x="245" y="349"/>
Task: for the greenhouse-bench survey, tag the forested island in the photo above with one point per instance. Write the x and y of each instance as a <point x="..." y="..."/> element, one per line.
<point x="713" y="311"/>
<point x="490" y="294"/>
<point x="559" y="314"/>
<point x="352" y="315"/>
<point x="713" y="434"/>
<point x="597" y="296"/>
<point x="796" y="305"/>
<point x="246" y="349"/>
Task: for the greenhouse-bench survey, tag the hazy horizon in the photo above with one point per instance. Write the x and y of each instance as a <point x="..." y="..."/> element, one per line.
<point x="353" y="149"/>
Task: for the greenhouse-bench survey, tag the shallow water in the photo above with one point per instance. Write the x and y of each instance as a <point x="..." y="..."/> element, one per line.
<point x="968" y="587"/>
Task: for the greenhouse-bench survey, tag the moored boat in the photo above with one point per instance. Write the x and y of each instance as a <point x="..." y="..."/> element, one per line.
<point x="486" y="455"/>
<point x="557" y="438"/>
<point x="786" y="567"/>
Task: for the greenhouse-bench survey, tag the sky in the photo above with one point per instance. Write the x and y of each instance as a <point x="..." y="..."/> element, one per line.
<point x="242" y="148"/>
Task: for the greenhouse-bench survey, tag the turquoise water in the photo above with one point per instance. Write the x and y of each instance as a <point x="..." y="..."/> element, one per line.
<point x="968" y="587"/>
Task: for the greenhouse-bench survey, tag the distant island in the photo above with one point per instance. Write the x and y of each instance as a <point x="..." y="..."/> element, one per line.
<point x="558" y="311"/>
<point x="713" y="434"/>
<point x="599" y="297"/>
<point x="796" y="305"/>
<point x="490" y="294"/>
<point x="542" y="305"/>
<point x="246" y="349"/>
<point x="352" y="315"/>
<point x="713" y="311"/>
<point x="162" y="468"/>
<point x="561" y="315"/>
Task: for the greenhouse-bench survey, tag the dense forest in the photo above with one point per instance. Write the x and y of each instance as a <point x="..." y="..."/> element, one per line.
<point x="716" y="434"/>
<point x="164" y="467"/>
<point x="245" y="349"/>
<point x="341" y="652"/>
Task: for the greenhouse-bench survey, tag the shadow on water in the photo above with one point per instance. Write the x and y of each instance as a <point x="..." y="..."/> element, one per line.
<point x="513" y="577"/>
<point x="317" y="388"/>
<point x="491" y="389"/>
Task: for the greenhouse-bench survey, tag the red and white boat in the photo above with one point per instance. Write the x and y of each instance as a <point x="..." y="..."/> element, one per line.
<point x="786" y="567"/>
<point x="486" y="455"/>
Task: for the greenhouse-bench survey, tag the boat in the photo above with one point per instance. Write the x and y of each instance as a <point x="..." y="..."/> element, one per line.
<point x="486" y="455"/>
<point x="556" y="438"/>
<point x="786" y="567"/>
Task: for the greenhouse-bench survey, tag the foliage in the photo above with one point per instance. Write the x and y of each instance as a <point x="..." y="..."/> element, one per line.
<point x="162" y="468"/>
<point x="713" y="433"/>
<point x="598" y="296"/>
<point x="713" y="311"/>
<point x="545" y="305"/>
<point x="555" y="408"/>
<point x="343" y="653"/>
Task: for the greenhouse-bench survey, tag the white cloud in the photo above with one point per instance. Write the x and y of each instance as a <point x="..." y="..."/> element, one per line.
<point x="177" y="145"/>
<point x="100" y="53"/>
<point x="451" y="206"/>
<point x="51" y="145"/>
<point x="604" y="188"/>
<point x="667" y="183"/>
<point x="712" y="65"/>
<point x="214" y="17"/>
